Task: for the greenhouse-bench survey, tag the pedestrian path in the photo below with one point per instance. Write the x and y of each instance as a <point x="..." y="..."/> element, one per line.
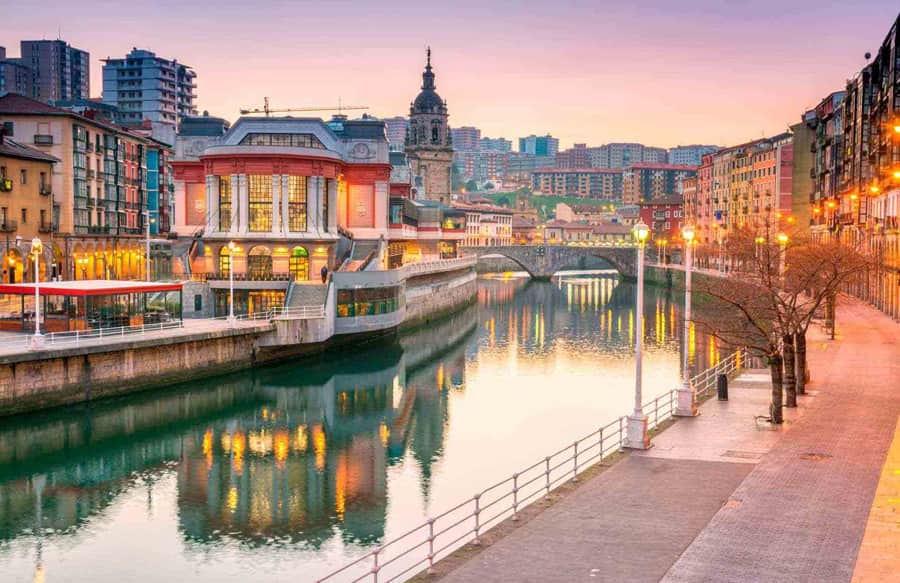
<point x="723" y="497"/>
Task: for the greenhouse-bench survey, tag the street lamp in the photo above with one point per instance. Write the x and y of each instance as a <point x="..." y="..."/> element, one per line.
<point x="37" y="341"/>
<point x="687" y="398"/>
<point x="147" y="244"/>
<point x="636" y="436"/>
<point x="231" y="249"/>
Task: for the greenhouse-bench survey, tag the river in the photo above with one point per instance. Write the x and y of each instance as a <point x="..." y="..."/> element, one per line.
<point x="285" y="473"/>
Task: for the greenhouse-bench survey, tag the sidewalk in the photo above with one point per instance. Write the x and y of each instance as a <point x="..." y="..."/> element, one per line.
<point x="722" y="498"/>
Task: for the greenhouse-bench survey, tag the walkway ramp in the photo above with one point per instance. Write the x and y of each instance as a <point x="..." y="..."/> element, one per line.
<point x="307" y="294"/>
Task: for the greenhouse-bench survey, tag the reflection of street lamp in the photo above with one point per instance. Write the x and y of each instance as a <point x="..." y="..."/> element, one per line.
<point x="687" y="402"/>
<point x="231" y="248"/>
<point x="37" y="341"/>
<point x="636" y="436"/>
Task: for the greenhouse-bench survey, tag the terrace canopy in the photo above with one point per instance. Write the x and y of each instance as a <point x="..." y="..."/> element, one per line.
<point x="89" y="304"/>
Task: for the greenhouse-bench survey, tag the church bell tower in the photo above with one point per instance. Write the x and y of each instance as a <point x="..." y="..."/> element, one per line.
<point x="429" y="147"/>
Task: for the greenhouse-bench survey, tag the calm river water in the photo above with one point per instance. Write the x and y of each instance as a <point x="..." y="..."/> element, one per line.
<point x="284" y="473"/>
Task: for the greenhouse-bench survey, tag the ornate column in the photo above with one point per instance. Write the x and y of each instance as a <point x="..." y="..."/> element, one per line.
<point x="241" y="203"/>
<point x="276" y="203"/>
<point x="314" y="204"/>
<point x="331" y="193"/>
<point x="285" y="208"/>
<point x="211" y="206"/>
<point x="234" y="204"/>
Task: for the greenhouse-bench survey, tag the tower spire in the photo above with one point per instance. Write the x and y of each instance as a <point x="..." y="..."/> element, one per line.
<point x="428" y="75"/>
<point x="428" y="64"/>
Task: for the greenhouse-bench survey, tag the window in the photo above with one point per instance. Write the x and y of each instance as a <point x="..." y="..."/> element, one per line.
<point x="224" y="262"/>
<point x="260" y="202"/>
<point x="198" y="303"/>
<point x="259" y="263"/>
<point x="297" y="204"/>
<point x="283" y="140"/>
<point x="23" y="176"/>
<point x="299" y="264"/>
<point x="225" y="203"/>
<point x="24" y="215"/>
<point x="325" y="206"/>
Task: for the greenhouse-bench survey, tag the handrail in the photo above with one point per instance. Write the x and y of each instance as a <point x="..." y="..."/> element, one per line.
<point x="465" y="522"/>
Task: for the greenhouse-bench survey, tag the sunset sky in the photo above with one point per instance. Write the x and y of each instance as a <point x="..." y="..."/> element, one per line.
<point x="661" y="72"/>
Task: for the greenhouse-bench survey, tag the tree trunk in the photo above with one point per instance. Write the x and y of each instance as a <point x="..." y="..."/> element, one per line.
<point x="790" y="376"/>
<point x="802" y="365"/>
<point x="775" y="366"/>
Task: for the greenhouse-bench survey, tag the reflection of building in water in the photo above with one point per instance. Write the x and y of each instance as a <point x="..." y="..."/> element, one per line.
<point x="266" y="454"/>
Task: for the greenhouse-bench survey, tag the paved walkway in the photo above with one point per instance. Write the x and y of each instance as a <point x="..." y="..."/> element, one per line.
<point x="722" y="498"/>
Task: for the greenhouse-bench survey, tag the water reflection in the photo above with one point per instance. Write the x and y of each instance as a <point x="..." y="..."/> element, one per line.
<point x="302" y="466"/>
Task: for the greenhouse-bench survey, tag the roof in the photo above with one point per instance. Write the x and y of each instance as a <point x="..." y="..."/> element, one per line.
<point x="671" y="199"/>
<point x="612" y="229"/>
<point x="89" y="287"/>
<point x="655" y="166"/>
<point x="11" y="149"/>
<point x="363" y="129"/>
<point x="521" y="223"/>
<point x="578" y="171"/>
<point x="15" y="104"/>
<point x="628" y="212"/>
<point x="482" y="208"/>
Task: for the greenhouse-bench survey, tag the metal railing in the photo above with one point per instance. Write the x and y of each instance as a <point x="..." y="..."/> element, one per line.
<point x="426" y="267"/>
<point x="76" y="337"/>
<point x="420" y="547"/>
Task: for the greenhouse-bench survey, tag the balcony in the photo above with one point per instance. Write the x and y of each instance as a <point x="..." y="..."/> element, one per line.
<point x="45" y="227"/>
<point x="8" y="226"/>
<point x="98" y="229"/>
<point x="45" y="190"/>
<point x="5" y="184"/>
<point x="43" y="140"/>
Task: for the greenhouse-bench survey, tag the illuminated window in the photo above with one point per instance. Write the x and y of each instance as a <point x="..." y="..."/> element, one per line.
<point x="297" y="204"/>
<point x="260" y="202"/>
<point x="224" y="203"/>
<point x="224" y="262"/>
<point x="299" y="264"/>
<point x="259" y="263"/>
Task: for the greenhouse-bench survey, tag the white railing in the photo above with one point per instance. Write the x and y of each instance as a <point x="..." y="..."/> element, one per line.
<point x="426" y="267"/>
<point x="420" y="547"/>
<point x="296" y="312"/>
<point x="76" y="337"/>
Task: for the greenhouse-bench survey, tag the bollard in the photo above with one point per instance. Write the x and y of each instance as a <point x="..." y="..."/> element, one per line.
<point x="722" y="386"/>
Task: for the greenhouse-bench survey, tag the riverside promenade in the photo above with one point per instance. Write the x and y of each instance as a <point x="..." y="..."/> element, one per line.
<point x="725" y="497"/>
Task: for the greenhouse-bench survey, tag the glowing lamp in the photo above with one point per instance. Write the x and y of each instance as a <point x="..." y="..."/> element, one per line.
<point x="897" y="174"/>
<point x="832" y="204"/>
<point x="874" y="189"/>
<point x="782" y="238"/>
<point x="853" y="196"/>
<point x="816" y="211"/>
<point x="688" y="233"/>
<point x="231" y="247"/>
<point x="760" y="240"/>
<point x="37" y="246"/>
<point x="641" y="232"/>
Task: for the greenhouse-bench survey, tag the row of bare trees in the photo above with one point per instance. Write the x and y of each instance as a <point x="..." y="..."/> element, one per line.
<point x="778" y="283"/>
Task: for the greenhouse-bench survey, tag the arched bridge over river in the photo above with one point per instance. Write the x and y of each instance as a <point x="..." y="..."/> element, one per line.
<point x="542" y="261"/>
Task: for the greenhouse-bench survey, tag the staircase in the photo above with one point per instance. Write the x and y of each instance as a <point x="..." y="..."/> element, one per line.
<point x="307" y="294"/>
<point x="360" y="256"/>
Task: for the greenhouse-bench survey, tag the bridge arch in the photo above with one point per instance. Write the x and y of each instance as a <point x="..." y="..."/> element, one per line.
<point x="542" y="261"/>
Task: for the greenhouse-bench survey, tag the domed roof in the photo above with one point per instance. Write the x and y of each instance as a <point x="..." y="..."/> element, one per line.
<point x="428" y="101"/>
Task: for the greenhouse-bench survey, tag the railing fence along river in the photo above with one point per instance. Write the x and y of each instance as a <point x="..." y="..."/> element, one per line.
<point x="440" y="535"/>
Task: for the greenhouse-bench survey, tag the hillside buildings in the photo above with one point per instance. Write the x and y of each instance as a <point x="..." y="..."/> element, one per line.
<point x="689" y="155"/>
<point x="597" y="183"/>
<point x="47" y="70"/>
<point x="645" y="181"/>
<point x="145" y="87"/>
<point x="541" y="146"/>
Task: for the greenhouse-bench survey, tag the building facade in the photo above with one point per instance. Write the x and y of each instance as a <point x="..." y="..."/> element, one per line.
<point x="396" y="128"/>
<point x="486" y="224"/>
<point x="60" y="70"/>
<point x="466" y="138"/>
<point x="596" y="183"/>
<point x="99" y="189"/>
<point x="26" y="210"/>
<point x="620" y="155"/>
<point x="643" y="182"/>
<point x="689" y="155"/>
<point x="826" y="123"/>
<point x="15" y="76"/>
<point x="746" y="185"/>
<point x="429" y="144"/>
<point x="540" y="146"/>
<point x="665" y="217"/>
<point x="143" y="86"/>
<point x="575" y="157"/>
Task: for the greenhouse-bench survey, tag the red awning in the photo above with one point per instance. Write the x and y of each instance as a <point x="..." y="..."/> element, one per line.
<point x="92" y="287"/>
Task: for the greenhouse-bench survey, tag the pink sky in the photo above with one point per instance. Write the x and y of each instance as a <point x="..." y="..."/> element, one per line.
<point x="662" y="73"/>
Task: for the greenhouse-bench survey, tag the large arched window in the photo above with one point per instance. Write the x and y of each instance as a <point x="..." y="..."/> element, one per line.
<point x="297" y="204"/>
<point x="225" y="203"/>
<point x="224" y="262"/>
<point x="259" y="198"/>
<point x="435" y="132"/>
<point x="299" y="264"/>
<point x="259" y="263"/>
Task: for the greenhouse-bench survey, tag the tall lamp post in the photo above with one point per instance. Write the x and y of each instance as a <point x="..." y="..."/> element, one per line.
<point x="687" y="397"/>
<point x="636" y="435"/>
<point x="147" y="246"/>
<point x="782" y="242"/>
<point x="37" y="341"/>
<point x="231" y="248"/>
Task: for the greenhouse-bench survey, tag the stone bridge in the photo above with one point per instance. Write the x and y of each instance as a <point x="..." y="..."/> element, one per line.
<point x="542" y="261"/>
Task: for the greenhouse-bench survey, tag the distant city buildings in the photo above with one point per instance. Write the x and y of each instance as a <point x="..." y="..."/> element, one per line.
<point x="47" y="70"/>
<point x="396" y="128"/>
<point x="620" y="155"/>
<point x="540" y="146"/>
<point x="575" y="157"/>
<point x="646" y="181"/>
<point x="145" y="87"/>
<point x="664" y="216"/>
<point x="466" y="138"/>
<point x="689" y="155"/>
<point x="496" y="144"/>
<point x="597" y="183"/>
<point x="486" y="224"/>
